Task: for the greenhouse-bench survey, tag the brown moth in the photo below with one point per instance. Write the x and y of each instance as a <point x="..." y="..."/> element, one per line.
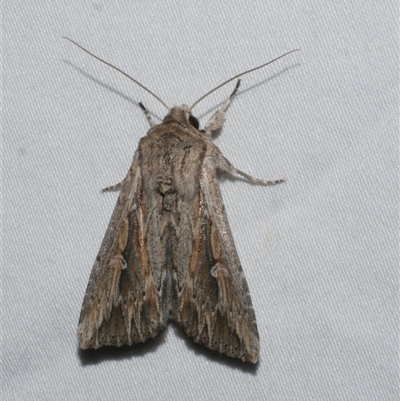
<point x="168" y="251"/>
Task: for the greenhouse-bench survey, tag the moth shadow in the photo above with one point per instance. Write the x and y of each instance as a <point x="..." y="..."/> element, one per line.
<point x="214" y="356"/>
<point x="137" y="350"/>
<point x="102" y="84"/>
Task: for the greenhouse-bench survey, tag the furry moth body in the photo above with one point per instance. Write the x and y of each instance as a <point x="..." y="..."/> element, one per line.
<point x="168" y="251"/>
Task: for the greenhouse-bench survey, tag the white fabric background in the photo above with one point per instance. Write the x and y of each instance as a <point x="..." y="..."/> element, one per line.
<point x="320" y="252"/>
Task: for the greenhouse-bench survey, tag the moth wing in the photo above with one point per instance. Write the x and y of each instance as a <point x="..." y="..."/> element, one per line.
<point x="215" y="305"/>
<point x="122" y="304"/>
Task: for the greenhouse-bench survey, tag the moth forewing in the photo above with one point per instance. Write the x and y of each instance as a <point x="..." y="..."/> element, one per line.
<point x="168" y="251"/>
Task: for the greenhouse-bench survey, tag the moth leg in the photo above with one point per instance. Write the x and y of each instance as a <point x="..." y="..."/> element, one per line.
<point x="225" y="165"/>
<point x="113" y="188"/>
<point x="147" y="114"/>
<point x="216" y="121"/>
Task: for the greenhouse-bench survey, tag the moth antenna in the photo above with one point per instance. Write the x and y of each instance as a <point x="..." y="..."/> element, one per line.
<point x="119" y="70"/>
<point x="239" y="75"/>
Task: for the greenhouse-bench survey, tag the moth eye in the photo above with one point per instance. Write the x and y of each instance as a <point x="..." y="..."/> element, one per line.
<point x="194" y="122"/>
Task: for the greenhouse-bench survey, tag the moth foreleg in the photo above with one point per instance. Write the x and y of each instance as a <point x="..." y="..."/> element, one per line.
<point x="225" y="165"/>
<point x="114" y="188"/>
<point x="147" y="114"/>
<point x="216" y="121"/>
<point x="255" y="180"/>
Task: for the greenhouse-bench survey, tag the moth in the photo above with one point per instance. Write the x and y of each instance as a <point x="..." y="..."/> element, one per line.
<point x="168" y="252"/>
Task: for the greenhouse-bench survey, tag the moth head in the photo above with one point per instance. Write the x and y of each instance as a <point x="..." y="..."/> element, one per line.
<point x="183" y="115"/>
